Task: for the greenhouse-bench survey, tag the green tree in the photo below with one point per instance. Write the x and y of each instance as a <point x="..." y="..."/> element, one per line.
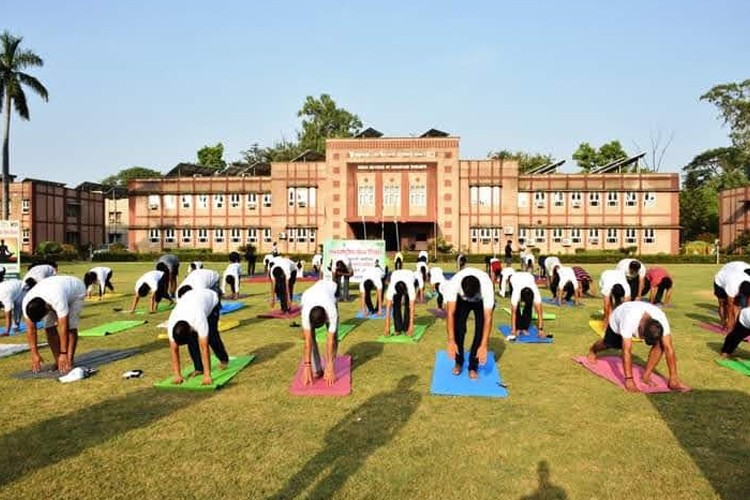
<point x="13" y="61"/>
<point x="733" y="101"/>
<point x="526" y="161"/>
<point x="699" y="212"/>
<point x="589" y="158"/>
<point x="721" y="167"/>
<point x="122" y="177"/>
<point x="321" y="120"/>
<point x="212" y="156"/>
<point x="255" y="154"/>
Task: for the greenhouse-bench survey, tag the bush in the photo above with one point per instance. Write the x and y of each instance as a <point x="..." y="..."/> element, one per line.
<point x="48" y="248"/>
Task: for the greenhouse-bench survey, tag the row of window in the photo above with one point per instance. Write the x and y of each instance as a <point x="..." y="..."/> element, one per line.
<point x="392" y="195"/>
<point x="595" y="197"/>
<point x="564" y="236"/>
<point x="301" y="197"/>
<point x="252" y="235"/>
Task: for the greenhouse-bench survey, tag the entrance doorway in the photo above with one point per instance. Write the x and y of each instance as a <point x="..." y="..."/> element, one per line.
<point x="411" y="235"/>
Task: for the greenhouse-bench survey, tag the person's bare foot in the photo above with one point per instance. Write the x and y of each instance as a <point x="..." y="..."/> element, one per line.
<point x="591" y="358"/>
<point x="457" y="369"/>
<point x="473" y="374"/>
<point x="223" y="366"/>
<point x="725" y="355"/>
<point x="194" y="373"/>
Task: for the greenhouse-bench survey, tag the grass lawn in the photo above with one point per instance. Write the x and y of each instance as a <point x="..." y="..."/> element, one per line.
<point x="562" y="433"/>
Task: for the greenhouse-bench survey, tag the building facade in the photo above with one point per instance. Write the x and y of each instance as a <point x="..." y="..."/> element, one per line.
<point x="734" y="215"/>
<point x="408" y="191"/>
<point x="50" y="211"/>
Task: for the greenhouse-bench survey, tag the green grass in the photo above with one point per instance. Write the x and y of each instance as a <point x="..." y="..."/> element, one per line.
<point x="561" y="431"/>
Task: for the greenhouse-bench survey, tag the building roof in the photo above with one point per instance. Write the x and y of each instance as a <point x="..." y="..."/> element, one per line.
<point x="433" y="132"/>
<point x="309" y="155"/>
<point x="42" y="181"/>
<point x="369" y="133"/>
<point x="190" y="170"/>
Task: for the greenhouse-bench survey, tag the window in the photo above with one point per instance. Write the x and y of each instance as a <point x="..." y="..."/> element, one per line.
<point x="312" y="195"/>
<point x="496" y="234"/>
<point x="575" y="235"/>
<point x="72" y="237"/>
<point x="267" y="235"/>
<point x="203" y="200"/>
<point x="474" y="234"/>
<point x="575" y="199"/>
<point x="187" y="235"/>
<point x="485" y="196"/>
<point x="539" y="235"/>
<point x="219" y="235"/>
<point x="115" y="217"/>
<point x="474" y="195"/>
<point x="252" y="201"/>
<point x="25" y="206"/>
<point x="496" y="196"/>
<point x="302" y="197"/>
<point x="391" y="196"/>
<point x="593" y="235"/>
<point x="649" y="198"/>
<point x="557" y="234"/>
<point x="186" y="200"/>
<point x="290" y="196"/>
<point x="630" y="236"/>
<point x="594" y="199"/>
<point x="611" y="235"/>
<point x="418" y="195"/>
<point x="26" y="236"/>
<point x="169" y="235"/>
<point x="631" y="198"/>
<point x="153" y="202"/>
<point x="267" y="200"/>
<point x="649" y="235"/>
<point x="613" y="198"/>
<point x="558" y="198"/>
<point x="301" y="234"/>
<point x="311" y="234"/>
<point x="234" y="200"/>
<point x="218" y="201"/>
<point x="540" y="197"/>
<point x="522" y="233"/>
<point x="484" y="235"/>
<point x="72" y="210"/>
<point x="203" y="235"/>
<point x="235" y="235"/>
<point x="366" y="196"/>
<point x="170" y="202"/>
<point x="154" y="235"/>
<point x="290" y="233"/>
<point x="252" y="235"/>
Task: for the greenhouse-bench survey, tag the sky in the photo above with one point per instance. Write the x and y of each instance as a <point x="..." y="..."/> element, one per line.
<point x="149" y="82"/>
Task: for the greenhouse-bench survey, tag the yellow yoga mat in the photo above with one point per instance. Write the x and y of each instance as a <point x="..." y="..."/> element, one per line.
<point x="598" y="326"/>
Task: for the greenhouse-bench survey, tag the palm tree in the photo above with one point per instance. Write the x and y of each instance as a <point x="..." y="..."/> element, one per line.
<point x="13" y="60"/>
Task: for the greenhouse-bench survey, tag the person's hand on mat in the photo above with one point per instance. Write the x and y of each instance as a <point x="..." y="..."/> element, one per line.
<point x="630" y="385"/>
<point x="386" y="331"/>
<point x="307" y="374"/>
<point x="36" y="362"/>
<point x="410" y="331"/>
<point x="452" y="349"/>
<point x="206" y="379"/>
<point x="330" y="374"/>
<point x="177" y="380"/>
<point x="63" y="363"/>
<point x="482" y="354"/>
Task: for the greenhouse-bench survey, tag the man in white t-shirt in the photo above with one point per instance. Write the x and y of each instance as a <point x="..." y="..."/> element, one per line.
<point x="400" y="298"/>
<point x="58" y="300"/>
<point x="505" y="275"/>
<point x="635" y="272"/>
<point x="267" y="262"/>
<point x="372" y="278"/>
<point x="317" y="263"/>
<point x="647" y="322"/>
<point x="614" y="288"/>
<point x="423" y="256"/>
<point x="283" y="274"/>
<point x="38" y="272"/>
<point x="12" y="293"/>
<point x="101" y="277"/>
<point x="196" y="264"/>
<point x="732" y="289"/>
<point x="567" y="285"/>
<point x="198" y="280"/>
<point x="436" y="280"/>
<point x="231" y="279"/>
<point x="469" y="290"/>
<point x="319" y="309"/>
<point x="195" y="322"/>
<point x="524" y="292"/>
<point x="154" y="282"/>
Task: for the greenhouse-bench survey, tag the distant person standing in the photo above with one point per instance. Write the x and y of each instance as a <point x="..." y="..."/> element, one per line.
<point x="398" y="261"/>
<point x="251" y="257"/>
<point x="275" y="249"/>
<point x="509" y="253"/>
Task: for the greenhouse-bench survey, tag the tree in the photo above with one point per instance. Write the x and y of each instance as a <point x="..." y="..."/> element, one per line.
<point x="212" y="156"/>
<point x="526" y="161"/>
<point x="733" y="101"/>
<point x="321" y="120"/>
<point x="122" y="177"/>
<point x="255" y="154"/>
<point x="659" y="146"/>
<point x="589" y="158"/>
<point x="13" y="60"/>
<point x="699" y="212"/>
<point x="720" y="167"/>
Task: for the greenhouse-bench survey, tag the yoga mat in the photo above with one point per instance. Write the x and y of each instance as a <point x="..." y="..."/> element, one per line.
<point x="228" y="307"/>
<point x="489" y="384"/>
<point x="263" y="278"/>
<point x="714" y="328"/>
<point x="295" y="298"/>
<point x="359" y="315"/>
<point x="610" y="368"/>
<point x="553" y="302"/>
<point x="342" y="386"/>
<point x="109" y="328"/>
<point x="419" y="331"/>
<point x="598" y="326"/>
<point x="224" y="325"/>
<point x="219" y="377"/>
<point x="277" y="314"/>
<point x="545" y="315"/>
<point x="11" y="349"/>
<point x="95" y="298"/>
<point x="160" y="307"/>
<point x="532" y="337"/>
<point x="321" y="334"/>
<point x="21" y="329"/>
<point x="438" y="313"/>
<point x="91" y="359"/>
<point x="740" y="366"/>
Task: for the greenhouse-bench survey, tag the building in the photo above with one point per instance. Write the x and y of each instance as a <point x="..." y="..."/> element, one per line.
<point x="50" y="211"/>
<point x="115" y="210"/>
<point x="734" y="215"/>
<point x="407" y="191"/>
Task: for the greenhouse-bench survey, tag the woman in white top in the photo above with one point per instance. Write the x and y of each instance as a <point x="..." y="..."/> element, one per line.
<point x="198" y="280"/>
<point x="283" y="274"/>
<point x="372" y="278"/>
<point x="232" y="279"/>
<point x="567" y="286"/>
<point x="436" y="280"/>
<point x="399" y="298"/>
<point x="100" y="276"/>
<point x="12" y="293"/>
<point x="614" y="288"/>
<point x="154" y="282"/>
<point x="319" y="309"/>
<point x="38" y="272"/>
<point x="524" y="290"/>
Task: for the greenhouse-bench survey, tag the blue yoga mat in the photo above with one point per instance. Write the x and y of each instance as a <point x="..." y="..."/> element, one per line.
<point x="552" y="302"/>
<point x="531" y="338"/>
<point x="21" y="328"/>
<point x="444" y="383"/>
<point x="359" y="315"/>
<point x="228" y="307"/>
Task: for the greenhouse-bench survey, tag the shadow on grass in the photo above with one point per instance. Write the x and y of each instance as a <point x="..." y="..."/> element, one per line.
<point x="742" y="351"/>
<point x="270" y="351"/>
<point x="546" y="490"/>
<point x="363" y="352"/>
<point x="709" y="307"/>
<point x="252" y="321"/>
<point x="496" y="345"/>
<point x="48" y="442"/>
<point x="711" y="426"/>
<point x="352" y="440"/>
<point x="702" y="318"/>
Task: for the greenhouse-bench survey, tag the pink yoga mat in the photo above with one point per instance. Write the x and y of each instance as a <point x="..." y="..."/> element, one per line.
<point x="439" y="313"/>
<point x="610" y="368"/>
<point x="277" y="314"/>
<point x="342" y="387"/>
<point x="714" y="328"/>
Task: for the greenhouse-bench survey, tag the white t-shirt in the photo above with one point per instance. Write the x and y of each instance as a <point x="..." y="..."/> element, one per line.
<point x="150" y="278"/>
<point x="731" y="281"/>
<point x="625" y="263"/>
<point x="567" y="275"/>
<point x="267" y="259"/>
<point x="233" y="269"/>
<point x="550" y="263"/>
<point x="194" y="307"/>
<point x="610" y="278"/>
<point x="323" y="294"/>
<point x="507" y="272"/>
<point x="745" y="317"/>
<point x="625" y="320"/>
<point x="421" y="265"/>
<point x="418" y="280"/>
<point x="101" y="275"/>
<point x="453" y="289"/>
<point x="423" y="253"/>
<point x="735" y="266"/>
<point x="404" y="276"/>
<point x="436" y="276"/>
<point x="374" y="274"/>
<point x="200" y="279"/>
<point x="59" y="292"/>
<point x="286" y="265"/>
<point x="458" y="259"/>
<point x="519" y="281"/>
<point x="317" y="260"/>
<point x="529" y="257"/>
<point x="10" y="290"/>
<point x="40" y="272"/>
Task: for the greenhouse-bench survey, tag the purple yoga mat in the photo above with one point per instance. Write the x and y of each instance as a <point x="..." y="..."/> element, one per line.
<point x="610" y="368"/>
<point x="714" y="328"/>
<point x="342" y="387"/>
<point x="439" y="313"/>
<point x="277" y="314"/>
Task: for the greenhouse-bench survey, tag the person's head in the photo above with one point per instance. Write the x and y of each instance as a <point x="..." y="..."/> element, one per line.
<point x="527" y="295"/>
<point x="509" y="243"/>
<point x="183" y="290"/>
<point x="36" y="309"/>
<point x="470" y="286"/>
<point x="340" y="266"/>
<point x="652" y="332"/>
<point x="143" y="290"/>
<point x="30" y="283"/>
<point x="747" y="271"/>
<point x="182" y="333"/>
<point x="231" y="283"/>
<point x="666" y="283"/>
<point x="193" y="266"/>
<point x="89" y="278"/>
<point x="618" y="294"/>
<point x="462" y="261"/>
<point x="555" y="270"/>
<point x="277" y="273"/>
<point x="318" y="317"/>
<point x="161" y="266"/>
<point x="634" y="267"/>
<point x="422" y="258"/>
<point x="368" y="285"/>
<point x="401" y="288"/>
<point x="745" y="289"/>
<point x="234" y="257"/>
<point x="569" y="289"/>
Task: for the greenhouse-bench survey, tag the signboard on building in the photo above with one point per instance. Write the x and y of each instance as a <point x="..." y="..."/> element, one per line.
<point x="362" y="253"/>
<point x="10" y="247"/>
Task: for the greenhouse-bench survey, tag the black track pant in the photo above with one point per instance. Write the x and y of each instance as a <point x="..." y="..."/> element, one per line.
<point x="659" y="290"/>
<point x="734" y="338"/>
<point x="401" y="313"/>
<point x="214" y="341"/>
<point x="460" y="318"/>
<point x="368" y="299"/>
<point x="439" y="296"/>
<point x="633" y="282"/>
<point x="523" y="315"/>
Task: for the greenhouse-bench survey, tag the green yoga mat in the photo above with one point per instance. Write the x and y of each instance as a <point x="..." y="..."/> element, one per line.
<point x="742" y="367"/>
<point x="111" y="327"/>
<point x="160" y="307"/>
<point x="321" y="334"/>
<point x="218" y="377"/>
<point x="419" y="331"/>
<point x="547" y="316"/>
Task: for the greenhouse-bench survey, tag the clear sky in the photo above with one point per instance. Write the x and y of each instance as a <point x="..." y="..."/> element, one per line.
<point x="149" y="82"/>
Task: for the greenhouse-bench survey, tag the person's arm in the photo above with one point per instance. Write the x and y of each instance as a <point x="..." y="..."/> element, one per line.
<point x="63" y="360"/>
<point x="451" y="312"/>
<point x="206" y="358"/>
<point x="513" y="319"/>
<point x="732" y="311"/>
<point x="674" y="381"/>
<point x="668" y="296"/>
<point x="486" y="329"/>
<point x="362" y="303"/>
<point x="654" y="356"/>
<point x="607" y="308"/>
<point x="174" y="350"/>
<point x="380" y="301"/>
<point x="539" y="318"/>
<point x="307" y="374"/>
<point x="627" y="364"/>
<point x="652" y="294"/>
<point x="135" y="303"/>
<point x="288" y="292"/>
<point x="8" y="320"/>
<point x="387" y="327"/>
<point x="412" y="306"/>
<point x="329" y="375"/>
<point x="31" y="338"/>
<point x="641" y="285"/>
<point x="152" y="303"/>
<point x="272" y="281"/>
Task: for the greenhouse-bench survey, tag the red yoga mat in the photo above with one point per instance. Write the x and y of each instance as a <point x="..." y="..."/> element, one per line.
<point x="610" y="368"/>
<point x="277" y="314"/>
<point x="342" y="387"/>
